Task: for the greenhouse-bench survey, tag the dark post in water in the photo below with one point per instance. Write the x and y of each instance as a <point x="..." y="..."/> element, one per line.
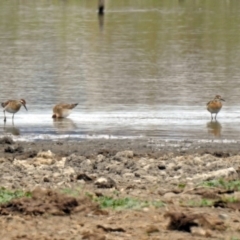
<point x="100" y="7"/>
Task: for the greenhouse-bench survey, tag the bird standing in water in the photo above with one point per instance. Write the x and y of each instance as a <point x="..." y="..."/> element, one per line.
<point x="13" y="106"/>
<point x="215" y="105"/>
<point x="63" y="110"/>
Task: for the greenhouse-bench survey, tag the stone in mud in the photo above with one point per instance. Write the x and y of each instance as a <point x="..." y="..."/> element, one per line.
<point x="150" y="178"/>
<point x="127" y="154"/>
<point x="100" y="158"/>
<point x="171" y="166"/>
<point x="6" y="140"/>
<point x="13" y="149"/>
<point x="2" y="160"/>
<point x="103" y="182"/>
<point x="140" y="173"/>
<point x="151" y="229"/>
<point x="181" y="221"/>
<point x="114" y="168"/>
<point x="46" y="179"/>
<point x="83" y="176"/>
<point x="198" y="231"/>
<point x="162" y="166"/>
<point x="128" y="175"/>
<point x="74" y="160"/>
<point x="169" y="196"/>
<point x="130" y="164"/>
<point x="46" y="154"/>
<point x="197" y="161"/>
<point x="228" y="172"/>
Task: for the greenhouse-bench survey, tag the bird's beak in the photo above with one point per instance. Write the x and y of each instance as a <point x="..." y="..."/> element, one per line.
<point x="222" y="99"/>
<point x="25" y="106"/>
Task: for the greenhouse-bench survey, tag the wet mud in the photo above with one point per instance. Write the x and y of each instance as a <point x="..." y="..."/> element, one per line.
<point x="65" y="178"/>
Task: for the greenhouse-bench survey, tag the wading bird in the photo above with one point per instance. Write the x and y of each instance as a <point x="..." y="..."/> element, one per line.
<point x="62" y="110"/>
<point x="215" y="105"/>
<point x="13" y="106"/>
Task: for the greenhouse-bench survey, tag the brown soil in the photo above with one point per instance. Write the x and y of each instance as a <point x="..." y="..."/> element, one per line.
<point x="139" y="169"/>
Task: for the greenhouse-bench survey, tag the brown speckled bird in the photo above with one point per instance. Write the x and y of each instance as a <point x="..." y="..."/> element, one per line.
<point x="215" y="105"/>
<point x="63" y="110"/>
<point x="13" y="106"/>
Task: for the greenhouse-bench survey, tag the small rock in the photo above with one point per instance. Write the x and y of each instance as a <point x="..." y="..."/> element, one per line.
<point x="13" y="149"/>
<point x="6" y="140"/>
<point x="127" y="153"/>
<point x="128" y="175"/>
<point x="152" y="229"/>
<point x="140" y="173"/>
<point x="169" y="196"/>
<point x="100" y="157"/>
<point x="46" y="179"/>
<point x="198" y="231"/>
<point x="150" y="178"/>
<point x="103" y="182"/>
<point x="46" y="155"/>
<point x="223" y="216"/>
<point x="171" y="166"/>
<point x="147" y="167"/>
<point x="161" y="167"/>
<point x="83" y="176"/>
<point x="215" y="174"/>
<point x="197" y="161"/>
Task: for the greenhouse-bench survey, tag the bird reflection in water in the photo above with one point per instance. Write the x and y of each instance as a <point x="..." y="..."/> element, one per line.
<point x="214" y="128"/>
<point x="101" y="22"/>
<point x="101" y="6"/>
<point x="11" y="129"/>
<point x="64" y="125"/>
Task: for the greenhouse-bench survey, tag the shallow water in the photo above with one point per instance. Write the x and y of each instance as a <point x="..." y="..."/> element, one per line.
<point x="145" y="69"/>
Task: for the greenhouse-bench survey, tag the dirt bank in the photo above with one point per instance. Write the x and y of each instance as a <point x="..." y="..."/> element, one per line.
<point x="173" y="188"/>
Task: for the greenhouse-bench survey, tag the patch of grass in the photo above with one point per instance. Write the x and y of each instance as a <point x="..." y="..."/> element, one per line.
<point x="221" y="183"/>
<point x="181" y="185"/>
<point x="72" y="192"/>
<point x="8" y="195"/>
<point x="230" y="199"/>
<point x="202" y="203"/>
<point x="126" y="203"/>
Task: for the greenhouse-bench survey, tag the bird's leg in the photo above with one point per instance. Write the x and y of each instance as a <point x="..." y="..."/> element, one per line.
<point x="13" y="117"/>
<point x="211" y="117"/>
<point x="216" y="117"/>
<point x="5" y="119"/>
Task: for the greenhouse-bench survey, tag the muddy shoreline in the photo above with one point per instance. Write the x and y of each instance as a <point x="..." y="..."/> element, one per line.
<point x="149" y="170"/>
<point x="139" y="146"/>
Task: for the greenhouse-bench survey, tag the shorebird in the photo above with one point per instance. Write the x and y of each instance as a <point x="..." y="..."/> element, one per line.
<point x="215" y="105"/>
<point x="12" y="106"/>
<point x="62" y="110"/>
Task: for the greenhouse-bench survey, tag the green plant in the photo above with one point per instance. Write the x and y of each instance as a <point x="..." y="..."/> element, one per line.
<point x="202" y="203"/>
<point x="74" y="192"/>
<point x="221" y="183"/>
<point x="8" y="195"/>
<point x="230" y="199"/>
<point x="126" y="203"/>
<point x="182" y="185"/>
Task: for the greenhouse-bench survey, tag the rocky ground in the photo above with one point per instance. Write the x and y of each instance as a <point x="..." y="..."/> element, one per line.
<point x="151" y="189"/>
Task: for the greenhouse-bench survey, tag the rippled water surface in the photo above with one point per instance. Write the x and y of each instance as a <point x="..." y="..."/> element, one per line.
<point x="144" y="69"/>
